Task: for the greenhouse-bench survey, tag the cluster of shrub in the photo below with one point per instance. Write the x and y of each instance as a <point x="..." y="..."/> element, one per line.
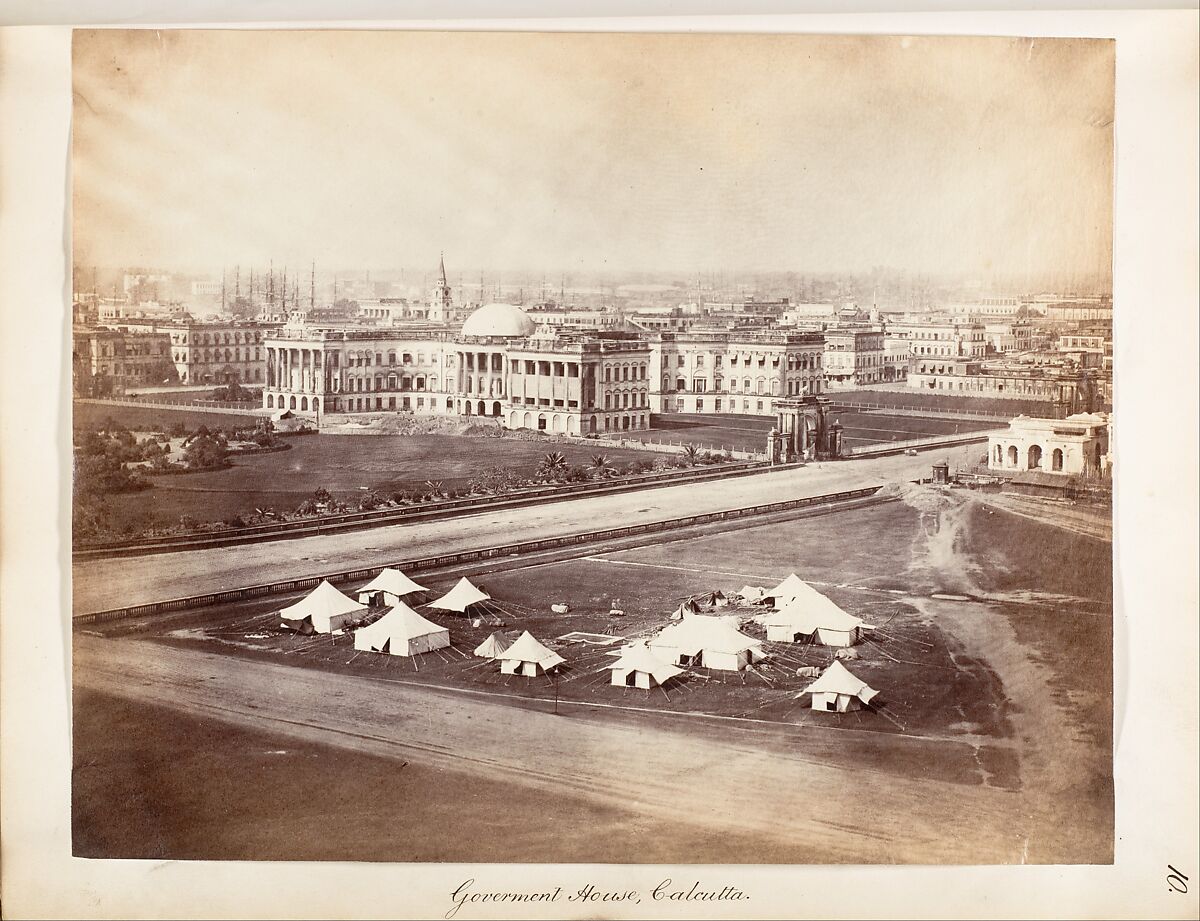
<point x="110" y="460"/>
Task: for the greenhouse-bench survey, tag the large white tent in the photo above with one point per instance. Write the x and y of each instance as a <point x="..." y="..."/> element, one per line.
<point x="812" y="615"/>
<point x="528" y="657"/>
<point x="390" y="587"/>
<point x="638" y="667"/>
<point x="401" y="632"/>
<point x="323" y="610"/>
<point x="711" y="642"/>
<point x="752" y="594"/>
<point x="460" y="598"/>
<point x="786" y="590"/>
<point x="837" y="690"/>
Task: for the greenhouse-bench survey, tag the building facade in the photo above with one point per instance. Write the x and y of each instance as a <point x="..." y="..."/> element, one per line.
<point x="854" y="358"/>
<point x="1078" y="445"/>
<point x="1068" y="389"/>
<point x="217" y="353"/>
<point x="733" y="371"/>
<point x="108" y="362"/>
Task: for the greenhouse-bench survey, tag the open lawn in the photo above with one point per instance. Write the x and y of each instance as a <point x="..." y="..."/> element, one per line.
<point x="346" y="465"/>
<point x="749" y="433"/>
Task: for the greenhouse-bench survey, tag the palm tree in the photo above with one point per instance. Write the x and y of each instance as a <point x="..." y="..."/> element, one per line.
<point x="691" y="454"/>
<point x="434" y="487"/>
<point x="553" y="464"/>
<point x="601" y="465"/>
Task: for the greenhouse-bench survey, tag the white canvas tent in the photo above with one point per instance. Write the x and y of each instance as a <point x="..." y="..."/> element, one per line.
<point x="401" y="632"/>
<point x="493" y="646"/>
<point x="460" y="598"/>
<point x="390" y="587"/>
<point x="752" y="594"/>
<point x="528" y="657"/>
<point x="710" y="642"/>
<point x="323" y="610"/>
<point x="786" y="590"/>
<point x="811" y="614"/>
<point x="638" y="667"/>
<point x="837" y="690"/>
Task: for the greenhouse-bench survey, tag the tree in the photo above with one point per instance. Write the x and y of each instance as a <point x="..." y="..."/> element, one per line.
<point x="435" y="487"/>
<point x="691" y="454"/>
<point x="205" y="453"/>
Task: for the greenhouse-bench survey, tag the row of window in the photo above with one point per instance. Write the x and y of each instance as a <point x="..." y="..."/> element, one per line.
<point x="720" y="405"/>
<point x="202" y="355"/>
<point x="794" y="361"/>
<point x="233" y="338"/>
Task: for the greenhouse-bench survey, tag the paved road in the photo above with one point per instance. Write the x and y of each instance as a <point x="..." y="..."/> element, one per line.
<point x="711" y="777"/>
<point x="110" y="583"/>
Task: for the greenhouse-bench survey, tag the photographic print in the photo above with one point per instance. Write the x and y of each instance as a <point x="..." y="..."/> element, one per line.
<point x="592" y="448"/>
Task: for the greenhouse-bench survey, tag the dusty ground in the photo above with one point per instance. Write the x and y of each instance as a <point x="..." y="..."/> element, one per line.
<point x="1021" y="773"/>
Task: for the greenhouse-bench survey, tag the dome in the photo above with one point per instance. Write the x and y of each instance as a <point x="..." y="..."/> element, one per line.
<point x="502" y="320"/>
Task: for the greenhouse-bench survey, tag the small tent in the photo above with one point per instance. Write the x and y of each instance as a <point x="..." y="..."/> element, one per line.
<point x="811" y="615"/>
<point x="493" y="646"/>
<point x="687" y="607"/>
<point x="837" y="690"/>
<point x="528" y="657"/>
<point x="401" y="632"/>
<point x="710" y="642"/>
<point x="391" y="587"/>
<point x="638" y="667"/>
<point x="323" y="610"/>
<point x="460" y="598"/>
<point x="752" y="594"/>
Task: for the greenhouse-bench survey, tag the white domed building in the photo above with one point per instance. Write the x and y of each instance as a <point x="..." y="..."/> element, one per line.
<point x="498" y="365"/>
<point x="549" y="381"/>
<point x="499" y="321"/>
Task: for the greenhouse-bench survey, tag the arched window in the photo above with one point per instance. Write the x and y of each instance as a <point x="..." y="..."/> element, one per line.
<point x="1056" y="459"/>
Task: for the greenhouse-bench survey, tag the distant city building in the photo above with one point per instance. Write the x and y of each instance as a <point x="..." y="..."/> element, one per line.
<point x="1066" y="388"/>
<point x="218" y="353"/>
<point x="854" y="357"/>
<point x="733" y="371"/>
<point x="108" y="362"/>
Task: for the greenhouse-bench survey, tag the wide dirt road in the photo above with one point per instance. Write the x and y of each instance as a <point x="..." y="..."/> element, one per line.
<point x="104" y="584"/>
<point x="708" y="777"/>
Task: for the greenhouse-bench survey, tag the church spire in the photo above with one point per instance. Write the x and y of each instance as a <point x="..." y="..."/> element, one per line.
<point x="442" y="270"/>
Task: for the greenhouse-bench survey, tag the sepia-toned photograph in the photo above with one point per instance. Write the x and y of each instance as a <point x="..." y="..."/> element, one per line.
<point x="592" y="448"/>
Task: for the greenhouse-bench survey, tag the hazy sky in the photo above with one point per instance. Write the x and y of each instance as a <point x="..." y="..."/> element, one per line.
<point x="593" y="152"/>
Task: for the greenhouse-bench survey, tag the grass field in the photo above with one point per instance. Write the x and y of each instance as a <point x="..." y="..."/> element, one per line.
<point x="346" y="465"/>
<point x="749" y="433"/>
<point x="136" y="418"/>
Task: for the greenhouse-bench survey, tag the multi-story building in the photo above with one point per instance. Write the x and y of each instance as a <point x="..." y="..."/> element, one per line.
<point x="1067" y="388"/>
<point x="578" y="382"/>
<point x="1003" y="337"/>
<point x="108" y="362"/>
<point x="854" y="356"/>
<point x="494" y="366"/>
<point x="217" y="353"/>
<point x="942" y="337"/>
<point x="733" y="371"/>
